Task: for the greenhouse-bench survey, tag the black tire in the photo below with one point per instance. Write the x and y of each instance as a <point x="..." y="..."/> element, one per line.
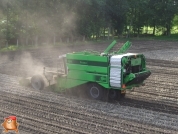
<point x="37" y="82"/>
<point x="123" y="95"/>
<point x="119" y="95"/>
<point x="113" y="94"/>
<point x="95" y="91"/>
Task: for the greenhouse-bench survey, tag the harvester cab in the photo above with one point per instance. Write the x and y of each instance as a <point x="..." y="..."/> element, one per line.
<point x="105" y="75"/>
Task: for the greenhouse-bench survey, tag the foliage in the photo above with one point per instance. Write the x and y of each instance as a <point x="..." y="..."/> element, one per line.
<point x="45" y="21"/>
<point x="10" y="48"/>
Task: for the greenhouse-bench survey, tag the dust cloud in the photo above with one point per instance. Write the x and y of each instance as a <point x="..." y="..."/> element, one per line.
<point x="29" y="65"/>
<point x="38" y="29"/>
<point x="48" y="30"/>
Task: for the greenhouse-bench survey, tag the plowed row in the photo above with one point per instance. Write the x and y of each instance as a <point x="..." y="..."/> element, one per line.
<point x="36" y="110"/>
<point x="146" y="110"/>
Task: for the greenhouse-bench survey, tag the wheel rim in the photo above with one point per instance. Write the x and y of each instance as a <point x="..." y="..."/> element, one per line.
<point x="36" y="82"/>
<point x="36" y="85"/>
<point x="94" y="92"/>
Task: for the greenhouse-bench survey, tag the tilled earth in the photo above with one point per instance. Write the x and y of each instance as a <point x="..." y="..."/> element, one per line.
<point x="150" y="109"/>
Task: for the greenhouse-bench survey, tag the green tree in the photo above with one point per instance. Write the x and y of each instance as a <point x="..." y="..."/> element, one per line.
<point x="117" y="10"/>
<point x="162" y="13"/>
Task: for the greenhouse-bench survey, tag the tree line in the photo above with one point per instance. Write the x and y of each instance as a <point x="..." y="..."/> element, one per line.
<point x="49" y="21"/>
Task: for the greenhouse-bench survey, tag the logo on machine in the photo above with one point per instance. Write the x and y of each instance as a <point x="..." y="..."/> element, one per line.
<point x="10" y="124"/>
<point x="83" y="62"/>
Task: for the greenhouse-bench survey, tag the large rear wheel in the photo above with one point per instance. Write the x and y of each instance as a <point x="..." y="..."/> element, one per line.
<point x="37" y="82"/>
<point x="95" y="91"/>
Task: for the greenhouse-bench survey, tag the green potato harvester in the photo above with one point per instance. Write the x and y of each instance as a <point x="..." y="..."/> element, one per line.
<point x="105" y="75"/>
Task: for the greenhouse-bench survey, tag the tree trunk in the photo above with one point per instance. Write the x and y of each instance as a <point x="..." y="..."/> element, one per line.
<point x="72" y="38"/>
<point x="147" y="30"/>
<point x="7" y="44"/>
<point x="109" y="31"/>
<point x="26" y="41"/>
<point x="7" y="28"/>
<point x="96" y="36"/>
<point x="168" y="30"/>
<point x="54" y="40"/>
<point x="83" y="38"/>
<point x="17" y="43"/>
<point x="128" y="31"/>
<point x="60" y="39"/>
<point x="104" y="32"/>
<point x="138" y="32"/>
<point x="68" y="40"/>
<point x="154" y="29"/>
<point x="36" y="41"/>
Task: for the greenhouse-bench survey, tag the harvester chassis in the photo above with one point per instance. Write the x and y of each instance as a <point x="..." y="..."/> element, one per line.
<point x="106" y="76"/>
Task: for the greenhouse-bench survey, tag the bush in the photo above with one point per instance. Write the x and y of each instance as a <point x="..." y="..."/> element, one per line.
<point x="10" y="48"/>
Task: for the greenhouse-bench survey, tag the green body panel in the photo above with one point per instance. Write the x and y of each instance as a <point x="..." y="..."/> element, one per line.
<point x="100" y="70"/>
<point x="110" y="47"/>
<point x="129" y="77"/>
<point x="124" y="48"/>
<point x="105" y="85"/>
<point x="64" y="83"/>
<point x="76" y="78"/>
<point x="135" y="62"/>
<point x="86" y="58"/>
<point x="143" y="62"/>
<point x="125" y="60"/>
<point x="85" y="76"/>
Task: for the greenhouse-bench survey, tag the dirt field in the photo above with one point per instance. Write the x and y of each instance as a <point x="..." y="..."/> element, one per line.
<point x="146" y="110"/>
